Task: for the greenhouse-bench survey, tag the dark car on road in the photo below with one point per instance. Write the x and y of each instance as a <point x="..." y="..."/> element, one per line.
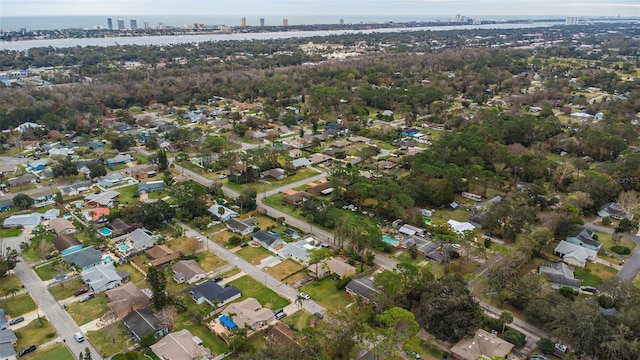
<point x="27" y="350"/>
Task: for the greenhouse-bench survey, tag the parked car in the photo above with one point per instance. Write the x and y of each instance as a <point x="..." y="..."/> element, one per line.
<point x="16" y="320"/>
<point x="80" y="291"/>
<point x="413" y="355"/>
<point x="244" y="244"/>
<point x="27" y="350"/>
<point x="539" y="357"/>
<point x="218" y="278"/>
<point x="87" y="297"/>
<point x="277" y="311"/>
<point x="304" y="295"/>
<point x="79" y="337"/>
<point x="318" y="315"/>
<point x="589" y="289"/>
<point x="281" y="315"/>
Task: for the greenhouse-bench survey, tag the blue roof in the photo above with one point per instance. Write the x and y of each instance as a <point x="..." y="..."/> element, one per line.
<point x="227" y="322"/>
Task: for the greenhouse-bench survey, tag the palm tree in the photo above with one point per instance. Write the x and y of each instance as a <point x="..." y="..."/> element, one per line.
<point x="299" y="301"/>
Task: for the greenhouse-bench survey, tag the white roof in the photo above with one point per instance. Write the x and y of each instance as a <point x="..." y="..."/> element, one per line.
<point x="461" y="227"/>
<point x="33" y="219"/>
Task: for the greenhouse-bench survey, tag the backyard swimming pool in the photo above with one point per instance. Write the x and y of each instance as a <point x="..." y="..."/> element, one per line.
<point x="107" y="259"/>
<point x="123" y="247"/>
<point x="105" y="232"/>
<point x="391" y="241"/>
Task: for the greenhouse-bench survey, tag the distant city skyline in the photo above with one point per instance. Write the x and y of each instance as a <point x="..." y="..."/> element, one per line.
<point x="337" y="8"/>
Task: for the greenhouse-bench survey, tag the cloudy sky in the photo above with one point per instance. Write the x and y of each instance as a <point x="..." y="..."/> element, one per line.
<point x="31" y="8"/>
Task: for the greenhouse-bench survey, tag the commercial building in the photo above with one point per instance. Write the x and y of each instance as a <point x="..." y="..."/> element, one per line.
<point x="243" y="22"/>
<point x="120" y="24"/>
<point x="261" y="21"/>
<point x="133" y="23"/>
<point x="109" y="23"/>
<point x="285" y="22"/>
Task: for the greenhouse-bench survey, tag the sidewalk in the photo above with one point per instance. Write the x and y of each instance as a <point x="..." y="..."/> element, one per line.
<point x="92" y="326"/>
<point x="231" y="278"/>
<point x="28" y="318"/>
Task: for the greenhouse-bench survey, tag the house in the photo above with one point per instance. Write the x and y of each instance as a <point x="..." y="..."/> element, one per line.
<point x="8" y="169"/>
<point x="22" y="180"/>
<point x="248" y="313"/>
<point x="584" y="237"/>
<point x="384" y="165"/>
<point x="242" y="226"/>
<point x="6" y="205"/>
<point x="301" y="163"/>
<point x="411" y="230"/>
<point x="95" y="145"/>
<point x="291" y="233"/>
<point x="145" y="172"/>
<point x="8" y="342"/>
<point x="460" y="227"/>
<point x="3" y="320"/>
<point x="332" y="266"/>
<point x="267" y="240"/>
<point x="187" y="271"/>
<point x="296" y="199"/>
<point x="37" y="165"/>
<point x="120" y="159"/>
<point x="320" y="189"/>
<point x="222" y="212"/>
<point x="23" y="220"/>
<point x="341" y="144"/>
<point x="101" y="278"/>
<point x="276" y="174"/>
<point x="162" y="255"/>
<point x="110" y="180"/>
<point x="142" y="322"/>
<point x="361" y="287"/>
<point x="51" y="214"/>
<point x="99" y="214"/>
<point x="422" y="245"/>
<point x="75" y="189"/>
<point x="295" y="153"/>
<point x="575" y="255"/>
<point x="387" y="113"/>
<point x="105" y="198"/>
<point x="559" y="275"/>
<point x="213" y="293"/>
<point x="125" y="299"/>
<point x="42" y="198"/>
<point x="614" y="211"/>
<point x="120" y="227"/>
<point x="66" y="244"/>
<point x="181" y="345"/>
<point x="85" y="258"/>
<point x="147" y="187"/>
<point x="319" y="158"/>
<point x="298" y="250"/>
<point x="482" y="345"/>
<point x="142" y="239"/>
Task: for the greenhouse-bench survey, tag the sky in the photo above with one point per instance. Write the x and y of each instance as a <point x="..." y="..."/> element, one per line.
<point x="33" y="8"/>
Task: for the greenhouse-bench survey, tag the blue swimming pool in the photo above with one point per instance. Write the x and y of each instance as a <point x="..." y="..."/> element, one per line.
<point x="105" y="232"/>
<point x="107" y="259"/>
<point x="123" y="247"/>
<point x="391" y="241"/>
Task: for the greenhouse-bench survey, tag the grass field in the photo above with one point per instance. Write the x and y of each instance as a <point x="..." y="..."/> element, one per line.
<point x="265" y="296"/>
<point x="128" y="194"/>
<point x="55" y="352"/>
<point x="221" y="238"/>
<point x="103" y="339"/>
<point x="209" y="261"/>
<point x="325" y="293"/>
<point x="134" y="275"/>
<point x="50" y="270"/>
<point x="184" y="244"/>
<point x="62" y="292"/>
<point x="18" y="305"/>
<point x="636" y="282"/>
<point x="299" y="320"/>
<point x="88" y="311"/>
<point x="5" y="233"/>
<point x="10" y="281"/>
<point x="607" y="243"/>
<point x="253" y="254"/>
<point x="284" y="269"/>
<point x="272" y="184"/>
<point x="209" y="339"/>
<point x="36" y="333"/>
<point x="594" y="274"/>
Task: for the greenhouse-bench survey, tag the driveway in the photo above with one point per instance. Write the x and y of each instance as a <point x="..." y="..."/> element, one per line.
<point x="631" y="266"/>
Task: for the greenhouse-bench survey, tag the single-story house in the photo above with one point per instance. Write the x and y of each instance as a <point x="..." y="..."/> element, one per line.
<point x="145" y="172"/>
<point x="162" y="255"/>
<point x="614" y="211"/>
<point x="482" y="345"/>
<point x="23" y="220"/>
<point x="22" y="180"/>
<point x="51" y="214"/>
<point x="62" y="226"/>
<point x="43" y="197"/>
<point x="8" y="342"/>
<point x="105" y="198"/>
<point x="142" y="322"/>
<point x="181" y="345"/>
<point x="84" y="258"/>
<point x="101" y="278"/>
<point x="142" y="239"/>
<point x="8" y="169"/>
<point x="362" y="287"/>
<point x="110" y="180"/>
<point x="120" y="159"/>
<point x="320" y="189"/>
<point x="187" y="271"/>
<point x="242" y="226"/>
<point x="98" y="214"/>
<point x="422" y="245"/>
<point x="213" y="293"/>
<point x="37" y="165"/>
<point x="277" y="174"/>
<point x="296" y="199"/>
<point x="301" y="162"/>
<point x="559" y="275"/>
<point x="95" y="145"/>
<point x="147" y="187"/>
<point x="3" y="320"/>
<point x="460" y="227"/>
<point x="67" y="244"/>
<point x="298" y="250"/>
<point x="267" y="240"/>
<point x="584" y="237"/>
<point x="575" y="255"/>
<point x="6" y="205"/>
<point x="319" y="158"/>
<point x="248" y="312"/>
<point x="120" y="227"/>
<point x="126" y="298"/>
<point x="222" y="212"/>
<point x="83" y="167"/>
<point x="332" y="265"/>
<point x="75" y="189"/>
<point x="295" y="153"/>
<point x="291" y="233"/>
<point x="411" y="230"/>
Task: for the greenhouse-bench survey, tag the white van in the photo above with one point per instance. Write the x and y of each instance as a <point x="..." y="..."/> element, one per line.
<point x="79" y="337"/>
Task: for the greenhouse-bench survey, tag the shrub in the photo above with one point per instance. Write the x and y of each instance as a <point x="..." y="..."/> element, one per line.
<point x="515" y="337"/>
<point x="606" y="301"/>
<point x="50" y="335"/>
<point x="546" y="346"/>
<point x="487" y="243"/>
<point x="621" y="250"/>
<point x="606" y="221"/>
<point x="567" y="292"/>
<point x="235" y="240"/>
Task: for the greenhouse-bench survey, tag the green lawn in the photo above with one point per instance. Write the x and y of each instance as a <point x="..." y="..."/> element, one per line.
<point x="38" y="250"/>
<point x="18" y="305"/>
<point x="128" y="194"/>
<point x="135" y="276"/>
<point x="253" y="254"/>
<point x="636" y="282"/>
<point x="325" y="293"/>
<point x="88" y="311"/>
<point x="66" y="289"/>
<point x="272" y="184"/>
<point x="209" y="261"/>
<point x="103" y="339"/>
<point x="265" y="296"/>
<point x="10" y="281"/>
<point x="54" y="352"/>
<point x="594" y="274"/>
<point x="50" y="270"/>
<point x="141" y="158"/>
<point x="36" y="333"/>
<point x="298" y="320"/>
<point x="209" y="339"/>
<point x="5" y="233"/>
<point x="607" y="243"/>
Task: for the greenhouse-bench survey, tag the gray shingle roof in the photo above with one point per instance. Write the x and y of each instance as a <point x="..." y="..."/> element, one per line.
<point x="363" y="287"/>
<point x="213" y="292"/>
<point x="142" y="322"/>
<point x="85" y="257"/>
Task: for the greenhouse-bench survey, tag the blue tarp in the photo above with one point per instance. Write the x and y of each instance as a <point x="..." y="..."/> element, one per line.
<point x="228" y="323"/>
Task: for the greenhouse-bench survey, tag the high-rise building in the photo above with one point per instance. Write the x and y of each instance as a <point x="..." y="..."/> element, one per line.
<point x="133" y="23"/>
<point x="109" y="23"/>
<point x="146" y="25"/>
<point x="261" y="21"/>
<point x="120" y="24"/>
<point x="285" y="22"/>
<point x="341" y="21"/>
<point x="571" y="20"/>
<point x="243" y="22"/>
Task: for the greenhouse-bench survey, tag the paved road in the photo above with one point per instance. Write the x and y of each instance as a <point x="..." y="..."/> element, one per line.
<point x="269" y="281"/>
<point x="631" y="266"/>
<point x="49" y="307"/>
